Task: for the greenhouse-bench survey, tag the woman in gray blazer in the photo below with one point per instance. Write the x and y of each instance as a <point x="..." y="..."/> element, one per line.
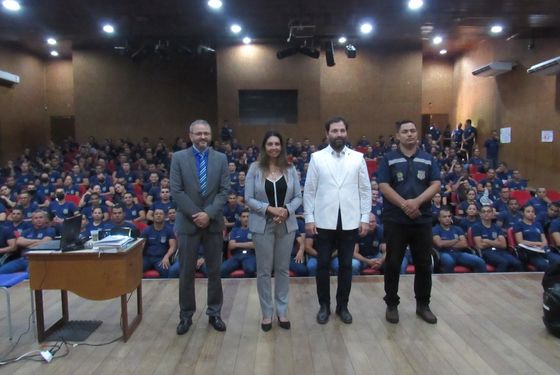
<point x="273" y="194"/>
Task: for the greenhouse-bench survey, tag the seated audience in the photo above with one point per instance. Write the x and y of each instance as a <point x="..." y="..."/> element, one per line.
<point x="242" y="249"/>
<point x="490" y="240"/>
<point x="160" y="246"/>
<point x="452" y="245"/>
<point x="38" y="233"/>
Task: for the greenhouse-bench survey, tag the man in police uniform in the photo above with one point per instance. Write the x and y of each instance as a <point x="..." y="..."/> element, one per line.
<point x="242" y="249"/>
<point x="408" y="179"/>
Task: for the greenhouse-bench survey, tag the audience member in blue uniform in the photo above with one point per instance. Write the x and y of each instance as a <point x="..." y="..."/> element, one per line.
<point x="516" y="182"/>
<point x="164" y="202"/>
<point x="507" y="219"/>
<point x="297" y="263"/>
<point x="369" y="251"/>
<point x="232" y="210"/>
<point x="501" y="204"/>
<point x="452" y="245"/>
<point x="529" y="232"/>
<point x="15" y="223"/>
<point x="60" y="209"/>
<point x="554" y="231"/>
<point x="132" y="211"/>
<point x="96" y="223"/>
<point x="242" y="249"/>
<point x="490" y="240"/>
<point x="540" y="201"/>
<point x="160" y="247"/>
<point x="470" y="219"/>
<point x="39" y="232"/>
<point x="492" y="146"/>
<point x="7" y="245"/>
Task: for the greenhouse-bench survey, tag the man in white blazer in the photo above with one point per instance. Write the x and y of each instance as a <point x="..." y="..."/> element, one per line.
<point x="337" y="202"/>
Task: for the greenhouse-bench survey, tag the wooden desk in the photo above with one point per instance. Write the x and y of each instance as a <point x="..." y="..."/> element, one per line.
<point x="89" y="274"/>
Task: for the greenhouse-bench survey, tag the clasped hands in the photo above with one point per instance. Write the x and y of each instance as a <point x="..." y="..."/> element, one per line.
<point x="201" y="219"/>
<point x="280" y="214"/>
<point x="411" y="208"/>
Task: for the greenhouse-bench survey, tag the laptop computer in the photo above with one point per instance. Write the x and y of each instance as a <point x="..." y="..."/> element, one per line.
<point x="69" y="239"/>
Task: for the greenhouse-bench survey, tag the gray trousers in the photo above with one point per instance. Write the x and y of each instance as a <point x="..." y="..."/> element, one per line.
<point x="188" y="248"/>
<point x="273" y="249"/>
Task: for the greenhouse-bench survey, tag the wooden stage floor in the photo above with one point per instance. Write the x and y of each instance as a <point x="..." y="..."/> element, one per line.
<point x="488" y="324"/>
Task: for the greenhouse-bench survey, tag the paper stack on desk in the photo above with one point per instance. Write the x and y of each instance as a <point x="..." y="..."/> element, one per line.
<point x="113" y="242"/>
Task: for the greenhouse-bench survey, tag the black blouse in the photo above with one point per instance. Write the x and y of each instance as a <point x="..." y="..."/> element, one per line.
<point x="276" y="191"/>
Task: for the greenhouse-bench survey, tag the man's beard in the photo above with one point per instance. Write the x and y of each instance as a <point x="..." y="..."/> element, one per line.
<point x="337" y="144"/>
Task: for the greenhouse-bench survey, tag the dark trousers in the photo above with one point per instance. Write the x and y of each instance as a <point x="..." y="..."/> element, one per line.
<point x="188" y="248"/>
<point x="327" y="241"/>
<point x="419" y="238"/>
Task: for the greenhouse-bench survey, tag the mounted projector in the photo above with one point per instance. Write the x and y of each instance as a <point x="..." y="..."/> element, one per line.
<point x="301" y="32"/>
<point x="8" y="78"/>
<point x="546" y="68"/>
<point x="493" y="69"/>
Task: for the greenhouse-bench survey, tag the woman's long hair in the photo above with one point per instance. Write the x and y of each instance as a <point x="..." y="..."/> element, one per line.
<point x="264" y="159"/>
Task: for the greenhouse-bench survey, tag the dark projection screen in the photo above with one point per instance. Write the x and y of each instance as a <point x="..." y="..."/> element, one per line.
<point x="268" y="107"/>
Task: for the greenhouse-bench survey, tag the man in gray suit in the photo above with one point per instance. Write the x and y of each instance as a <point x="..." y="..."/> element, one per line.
<point x="199" y="186"/>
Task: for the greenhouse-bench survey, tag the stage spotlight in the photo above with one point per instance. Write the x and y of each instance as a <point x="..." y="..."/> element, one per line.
<point x="350" y="51"/>
<point x="342" y="40"/>
<point x="311" y="52"/>
<point x="282" y="54"/>
<point x="329" y="53"/>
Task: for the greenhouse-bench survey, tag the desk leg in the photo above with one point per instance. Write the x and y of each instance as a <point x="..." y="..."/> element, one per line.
<point x="42" y="334"/>
<point x="129" y="329"/>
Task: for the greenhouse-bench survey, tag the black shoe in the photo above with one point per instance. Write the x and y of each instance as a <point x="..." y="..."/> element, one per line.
<point x="323" y="314"/>
<point x="266" y="326"/>
<point x="184" y="326"/>
<point x="426" y="314"/>
<point x="344" y="314"/>
<point x="284" y="325"/>
<point x="217" y="323"/>
<point x="392" y="314"/>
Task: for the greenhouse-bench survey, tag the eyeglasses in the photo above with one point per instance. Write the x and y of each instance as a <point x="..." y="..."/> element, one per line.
<point x="200" y="134"/>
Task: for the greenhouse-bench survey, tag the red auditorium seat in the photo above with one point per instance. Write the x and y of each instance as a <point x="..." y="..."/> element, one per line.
<point x="522" y="196"/>
<point x="151" y="274"/>
<point x="73" y="199"/>
<point x="371" y="166"/>
<point x="361" y="149"/>
<point x="477" y="176"/>
<point x="410" y="269"/>
<point x="553" y="195"/>
<point x="512" y="245"/>
<point x="140" y="225"/>
<point x="237" y="274"/>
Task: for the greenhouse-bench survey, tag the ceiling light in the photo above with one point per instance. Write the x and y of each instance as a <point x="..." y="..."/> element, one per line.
<point x="496" y="29"/>
<point x="415" y="4"/>
<point x="246" y="40"/>
<point x="443" y="52"/>
<point x="350" y="51"/>
<point x="51" y="41"/>
<point x="109" y="29"/>
<point x="12" y="5"/>
<point x="215" y="4"/>
<point x="366" y="28"/>
<point x="54" y="53"/>
<point x="437" y="39"/>
<point x="342" y="40"/>
<point x="235" y="28"/>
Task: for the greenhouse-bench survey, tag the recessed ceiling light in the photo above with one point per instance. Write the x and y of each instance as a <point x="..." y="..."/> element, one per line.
<point x="51" y="41"/>
<point x="437" y="39"/>
<point x="247" y="40"/>
<point x="54" y="53"/>
<point x="342" y="40"/>
<point x="366" y="28"/>
<point x="496" y="29"/>
<point x="215" y="4"/>
<point x="443" y="52"/>
<point x="415" y="4"/>
<point x="109" y="29"/>
<point x="12" y="5"/>
<point x="235" y="28"/>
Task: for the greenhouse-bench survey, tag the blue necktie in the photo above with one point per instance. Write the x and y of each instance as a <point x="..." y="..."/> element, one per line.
<point x="202" y="174"/>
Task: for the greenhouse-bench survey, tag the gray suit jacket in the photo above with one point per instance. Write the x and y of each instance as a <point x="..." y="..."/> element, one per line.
<point x="185" y="190"/>
<point x="256" y="199"/>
